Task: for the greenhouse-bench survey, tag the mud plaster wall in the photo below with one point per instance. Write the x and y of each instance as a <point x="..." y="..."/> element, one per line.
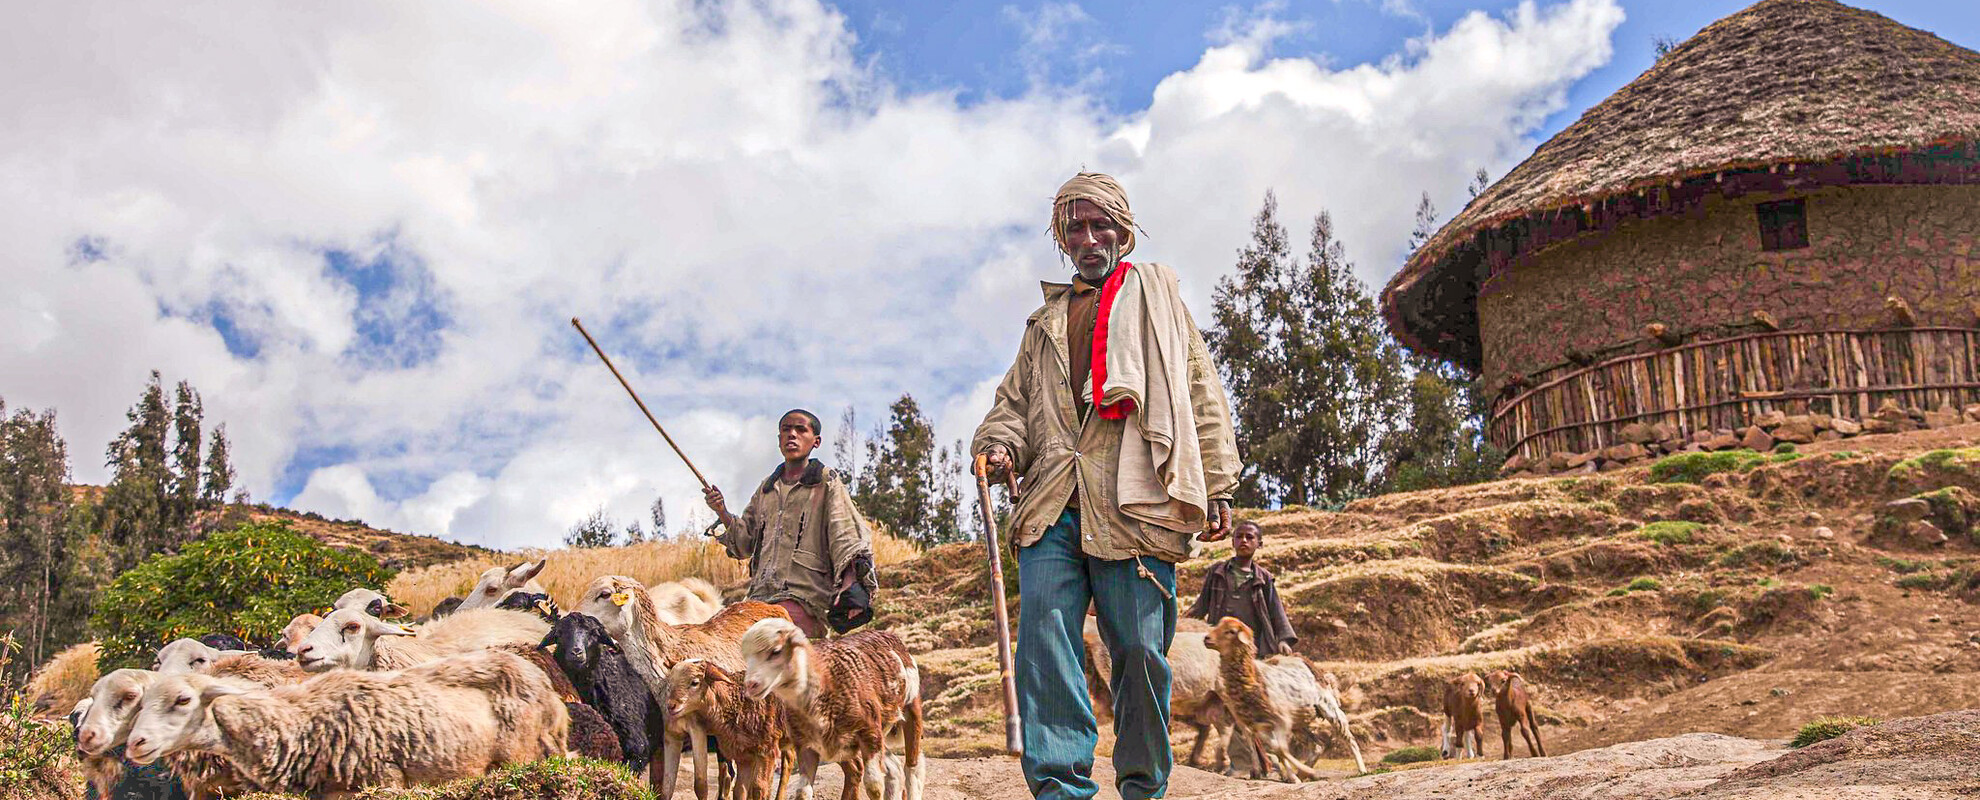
<point x="1704" y="268"/>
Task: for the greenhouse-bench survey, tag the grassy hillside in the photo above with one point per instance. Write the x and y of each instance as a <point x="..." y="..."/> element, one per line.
<point x="1748" y="603"/>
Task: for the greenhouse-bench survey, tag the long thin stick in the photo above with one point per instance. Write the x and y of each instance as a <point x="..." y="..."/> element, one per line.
<point x="1013" y="742"/>
<point x="635" y="396"/>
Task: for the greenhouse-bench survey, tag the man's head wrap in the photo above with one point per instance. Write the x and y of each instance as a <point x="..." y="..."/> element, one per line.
<point x="1103" y="191"/>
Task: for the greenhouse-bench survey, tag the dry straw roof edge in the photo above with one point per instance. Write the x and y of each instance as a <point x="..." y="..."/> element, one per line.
<point x="1782" y="82"/>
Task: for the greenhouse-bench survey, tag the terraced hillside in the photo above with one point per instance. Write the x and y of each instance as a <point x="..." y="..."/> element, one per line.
<point x="1733" y="593"/>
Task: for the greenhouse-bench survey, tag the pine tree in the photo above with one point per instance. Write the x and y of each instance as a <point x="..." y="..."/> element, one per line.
<point x="1316" y="381"/>
<point x="658" y="513"/>
<point x="847" y="447"/>
<point x="135" y="504"/>
<point x="187" y="414"/>
<point x="219" y="473"/>
<point x="634" y="534"/>
<point x="904" y="486"/>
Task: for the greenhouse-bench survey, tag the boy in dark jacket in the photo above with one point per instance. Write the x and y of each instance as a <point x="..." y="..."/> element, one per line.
<point x="1243" y="589"/>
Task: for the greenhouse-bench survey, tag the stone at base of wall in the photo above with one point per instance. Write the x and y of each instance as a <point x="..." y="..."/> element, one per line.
<point x="1765" y="430"/>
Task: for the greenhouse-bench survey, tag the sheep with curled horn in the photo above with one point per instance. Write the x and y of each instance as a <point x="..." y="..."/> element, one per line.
<point x="496" y="583"/>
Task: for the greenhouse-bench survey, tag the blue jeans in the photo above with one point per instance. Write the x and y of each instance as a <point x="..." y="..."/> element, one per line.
<point x="1137" y="622"/>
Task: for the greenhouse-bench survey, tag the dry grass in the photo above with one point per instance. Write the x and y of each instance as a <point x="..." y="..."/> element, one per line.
<point x="570" y="570"/>
<point x="65" y="679"/>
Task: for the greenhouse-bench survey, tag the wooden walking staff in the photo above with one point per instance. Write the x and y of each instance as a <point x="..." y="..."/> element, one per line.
<point x="635" y="396"/>
<point x="1013" y="743"/>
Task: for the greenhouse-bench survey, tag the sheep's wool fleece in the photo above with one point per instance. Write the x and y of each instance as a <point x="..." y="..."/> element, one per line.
<point x="439" y="721"/>
<point x="1101" y="190"/>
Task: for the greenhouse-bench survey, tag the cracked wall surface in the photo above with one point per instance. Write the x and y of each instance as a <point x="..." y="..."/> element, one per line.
<point x="1702" y="273"/>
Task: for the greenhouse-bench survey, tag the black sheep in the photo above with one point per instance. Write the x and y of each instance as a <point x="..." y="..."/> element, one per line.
<point x="605" y="680"/>
<point x="538" y="604"/>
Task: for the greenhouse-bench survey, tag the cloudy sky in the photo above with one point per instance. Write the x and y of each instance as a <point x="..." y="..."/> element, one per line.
<point x="360" y="228"/>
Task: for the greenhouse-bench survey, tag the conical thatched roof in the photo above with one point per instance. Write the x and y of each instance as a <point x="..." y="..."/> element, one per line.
<point x="1783" y="82"/>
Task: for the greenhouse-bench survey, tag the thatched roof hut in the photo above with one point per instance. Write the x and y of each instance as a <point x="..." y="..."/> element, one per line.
<point x="1783" y="101"/>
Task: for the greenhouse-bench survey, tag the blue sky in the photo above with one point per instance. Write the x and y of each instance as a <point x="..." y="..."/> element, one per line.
<point x="978" y="47"/>
<point x="362" y="229"/>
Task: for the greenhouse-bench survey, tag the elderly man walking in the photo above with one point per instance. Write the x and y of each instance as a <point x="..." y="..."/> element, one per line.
<point x="1115" y="419"/>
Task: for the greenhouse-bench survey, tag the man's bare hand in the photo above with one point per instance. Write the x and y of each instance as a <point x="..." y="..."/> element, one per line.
<point x="999" y="460"/>
<point x="713" y="497"/>
<point x="1218" y="526"/>
<point x="1285" y="649"/>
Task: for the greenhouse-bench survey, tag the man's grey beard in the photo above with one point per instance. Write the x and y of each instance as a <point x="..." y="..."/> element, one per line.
<point x="1098" y="274"/>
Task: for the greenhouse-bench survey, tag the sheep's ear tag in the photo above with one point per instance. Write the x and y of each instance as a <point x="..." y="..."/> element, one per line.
<point x="544" y="606"/>
<point x="621" y="598"/>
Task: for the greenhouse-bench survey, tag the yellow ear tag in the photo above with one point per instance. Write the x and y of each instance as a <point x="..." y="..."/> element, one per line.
<point x="621" y="598"/>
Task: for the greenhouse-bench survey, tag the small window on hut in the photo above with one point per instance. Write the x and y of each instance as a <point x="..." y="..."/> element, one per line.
<point x="1783" y="225"/>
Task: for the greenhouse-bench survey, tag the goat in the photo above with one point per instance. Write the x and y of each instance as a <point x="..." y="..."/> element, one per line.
<point x="1266" y="699"/>
<point x="844" y="701"/>
<point x="1515" y="706"/>
<point x="630" y="617"/>
<point x="606" y="681"/>
<point x="750" y="731"/>
<point x="1464" y="713"/>
<point x="496" y="583"/>
<point x="453" y="718"/>
<point x="352" y="639"/>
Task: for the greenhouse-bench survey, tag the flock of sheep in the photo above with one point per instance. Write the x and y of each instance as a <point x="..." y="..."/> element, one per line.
<point x="350" y="700"/>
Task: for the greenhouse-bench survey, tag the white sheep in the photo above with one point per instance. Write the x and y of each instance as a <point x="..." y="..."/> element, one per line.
<point x="686" y="601"/>
<point x="297" y="630"/>
<point x="181" y="656"/>
<point x="1192" y="685"/>
<point x="341" y="732"/>
<point x="372" y="601"/>
<point x="105" y="721"/>
<point x="348" y="638"/>
<point x="496" y="583"/>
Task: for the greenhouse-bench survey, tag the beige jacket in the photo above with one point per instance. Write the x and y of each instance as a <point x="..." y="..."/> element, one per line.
<point x="799" y="537"/>
<point x="1036" y="417"/>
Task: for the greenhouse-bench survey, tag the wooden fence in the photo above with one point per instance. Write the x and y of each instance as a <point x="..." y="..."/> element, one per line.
<point x="1724" y="383"/>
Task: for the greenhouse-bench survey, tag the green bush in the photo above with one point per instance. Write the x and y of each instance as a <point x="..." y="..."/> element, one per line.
<point x="1764" y="553"/>
<point x="1901" y="566"/>
<point x="1954" y="460"/>
<point x="249" y="582"/>
<point x="1821" y="590"/>
<point x="1694" y="467"/>
<point x="1670" y="532"/>
<point x="1926" y="581"/>
<point x="1827" y="728"/>
<point x="1645" y="584"/>
<point x="1411" y="755"/>
<point x="1784" y="447"/>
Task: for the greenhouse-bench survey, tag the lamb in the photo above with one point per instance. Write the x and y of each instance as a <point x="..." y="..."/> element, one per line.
<point x="1464" y="717"/>
<point x="105" y="722"/>
<point x="1266" y="699"/>
<point x="844" y="701"/>
<point x="606" y="681"/>
<point x="749" y="730"/>
<point x="338" y="733"/>
<point x="652" y="647"/>
<point x="533" y="602"/>
<point x="372" y="601"/>
<point x="1515" y="709"/>
<point x="1192" y="685"/>
<point x="352" y="639"/>
<point x="297" y="630"/>
<point x="686" y="601"/>
<point x="497" y="582"/>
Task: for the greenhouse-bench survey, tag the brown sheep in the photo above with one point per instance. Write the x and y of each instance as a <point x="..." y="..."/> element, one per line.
<point x="845" y="700"/>
<point x="1515" y="707"/>
<point x="1464" y="717"/>
<point x="626" y="609"/>
<point x="749" y="730"/>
